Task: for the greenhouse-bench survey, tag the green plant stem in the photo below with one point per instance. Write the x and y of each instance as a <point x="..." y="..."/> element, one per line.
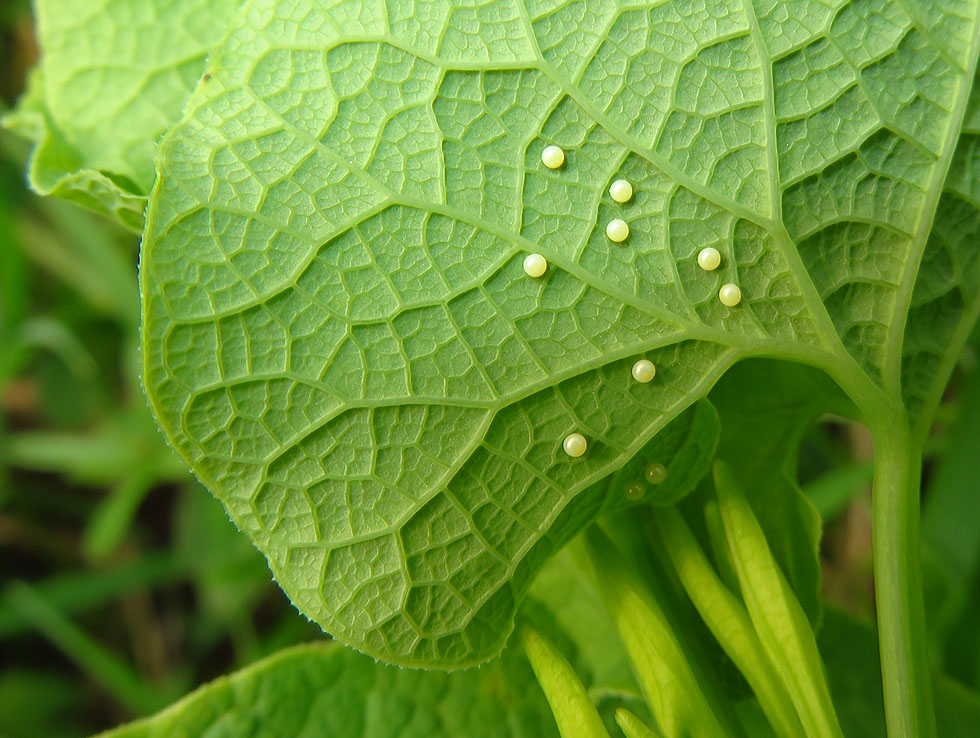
<point x="909" y="711"/>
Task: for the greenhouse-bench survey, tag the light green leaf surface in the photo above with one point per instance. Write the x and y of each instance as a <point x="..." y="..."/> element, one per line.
<point x="326" y="691"/>
<point x="340" y="339"/>
<point x="115" y="76"/>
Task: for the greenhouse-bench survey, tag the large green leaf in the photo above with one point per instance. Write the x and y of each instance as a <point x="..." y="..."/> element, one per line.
<point x="340" y="339"/>
<point x="115" y="76"/>
<point x="326" y="691"/>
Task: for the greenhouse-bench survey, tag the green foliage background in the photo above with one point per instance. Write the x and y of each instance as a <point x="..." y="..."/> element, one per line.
<point x="124" y="584"/>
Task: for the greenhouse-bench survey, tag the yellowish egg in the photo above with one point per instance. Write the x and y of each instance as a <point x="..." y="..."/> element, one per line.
<point x="709" y="259"/>
<point x="575" y="445"/>
<point x="644" y="371"/>
<point x="656" y="473"/>
<point x="617" y="230"/>
<point x="552" y="157"/>
<point x="621" y="191"/>
<point x="535" y="265"/>
<point x="730" y="295"/>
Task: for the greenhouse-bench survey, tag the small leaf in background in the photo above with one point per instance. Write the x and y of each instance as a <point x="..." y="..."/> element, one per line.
<point x="114" y="77"/>
<point x="327" y="691"/>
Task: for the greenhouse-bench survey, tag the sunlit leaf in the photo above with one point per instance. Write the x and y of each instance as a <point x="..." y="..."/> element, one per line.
<point x="339" y="334"/>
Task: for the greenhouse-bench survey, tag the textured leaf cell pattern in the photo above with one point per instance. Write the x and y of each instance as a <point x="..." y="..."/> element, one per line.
<point x="339" y="333"/>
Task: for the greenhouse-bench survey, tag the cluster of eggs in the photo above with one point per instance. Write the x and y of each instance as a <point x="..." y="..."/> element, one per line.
<point x="617" y="231"/>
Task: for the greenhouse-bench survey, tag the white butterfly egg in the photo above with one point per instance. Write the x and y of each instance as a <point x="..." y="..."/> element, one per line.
<point x="535" y="265"/>
<point x="644" y="371"/>
<point x="709" y="259"/>
<point x="574" y="445"/>
<point x="655" y="473"/>
<point x="617" y="230"/>
<point x="621" y="191"/>
<point x="730" y="295"/>
<point x="552" y="157"/>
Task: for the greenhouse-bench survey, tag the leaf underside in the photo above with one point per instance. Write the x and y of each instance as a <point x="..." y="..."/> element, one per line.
<point x="340" y="339"/>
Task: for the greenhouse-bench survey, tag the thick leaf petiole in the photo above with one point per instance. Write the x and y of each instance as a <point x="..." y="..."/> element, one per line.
<point x="909" y="711"/>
